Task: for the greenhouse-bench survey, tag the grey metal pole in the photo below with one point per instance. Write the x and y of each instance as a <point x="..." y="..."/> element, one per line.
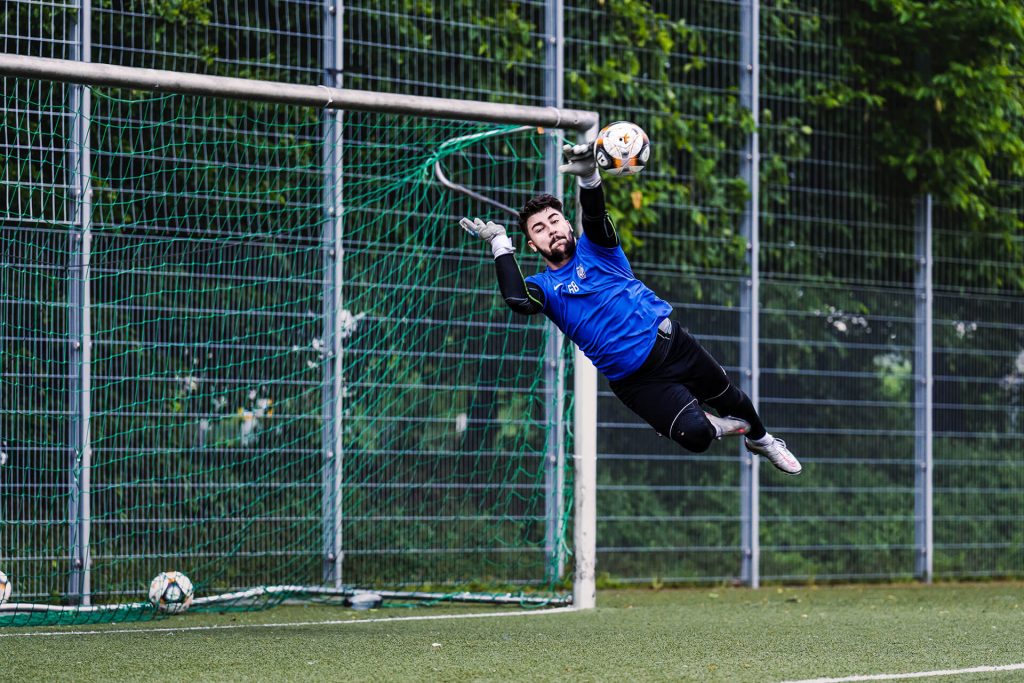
<point x="554" y="363"/>
<point x="923" y="384"/>
<point x="750" y="293"/>
<point x="287" y="93"/>
<point x="79" y="323"/>
<point x="333" y="390"/>
<point x="584" y="589"/>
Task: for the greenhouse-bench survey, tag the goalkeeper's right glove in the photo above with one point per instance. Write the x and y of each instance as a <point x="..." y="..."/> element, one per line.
<point x="580" y="163"/>
<point x="493" y="233"/>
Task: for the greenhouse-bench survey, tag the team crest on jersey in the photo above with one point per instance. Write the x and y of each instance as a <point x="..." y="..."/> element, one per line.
<point x="581" y="272"/>
<point x="573" y="287"/>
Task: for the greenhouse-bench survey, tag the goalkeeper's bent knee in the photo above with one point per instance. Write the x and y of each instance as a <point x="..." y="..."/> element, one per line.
<point x="692" y="431"/>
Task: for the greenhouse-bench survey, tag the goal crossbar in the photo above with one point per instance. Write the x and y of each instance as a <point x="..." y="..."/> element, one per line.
<point x="155" y="80"/>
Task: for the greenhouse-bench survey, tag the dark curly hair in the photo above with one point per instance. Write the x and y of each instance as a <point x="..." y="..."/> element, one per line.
<point x="535" y="205"/>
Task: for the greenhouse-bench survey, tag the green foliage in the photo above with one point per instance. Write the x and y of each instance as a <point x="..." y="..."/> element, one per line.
<point x="183" y="11"/>
<point x="938" y="83"/>
<point x="941" y="85"/>
<point x="894" y="371"/>
<point x="507" y="38"/>
<point x="639" y="63"/>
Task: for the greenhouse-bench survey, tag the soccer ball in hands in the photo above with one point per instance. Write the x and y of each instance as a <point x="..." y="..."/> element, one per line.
<point x="5" y="588"/>
<point x="171" y="592"/>
<point x="622" y="148"/>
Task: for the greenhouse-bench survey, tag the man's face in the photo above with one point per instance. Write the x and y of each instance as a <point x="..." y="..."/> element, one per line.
<point x="551" y="235"/>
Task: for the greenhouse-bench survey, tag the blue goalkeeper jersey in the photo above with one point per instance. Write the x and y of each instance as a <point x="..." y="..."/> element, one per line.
<point x="598" y="303"/>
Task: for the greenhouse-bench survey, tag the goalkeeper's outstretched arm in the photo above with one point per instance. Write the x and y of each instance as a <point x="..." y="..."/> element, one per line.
<point x="520" y="295"/>
<point x="597" y="225"/>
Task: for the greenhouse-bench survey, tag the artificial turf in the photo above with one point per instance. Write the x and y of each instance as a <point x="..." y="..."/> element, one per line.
<point x="705" y="634"/>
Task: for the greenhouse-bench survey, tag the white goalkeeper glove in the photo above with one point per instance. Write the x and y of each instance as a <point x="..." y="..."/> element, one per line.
<point x="580" y="163"/>
<point x="491" y="232"/>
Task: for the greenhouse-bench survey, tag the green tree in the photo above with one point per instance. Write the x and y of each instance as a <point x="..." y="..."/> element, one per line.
<point x="942" y="84"/>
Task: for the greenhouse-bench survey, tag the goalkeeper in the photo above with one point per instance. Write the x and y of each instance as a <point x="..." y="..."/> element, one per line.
<point x="589" y="291"/>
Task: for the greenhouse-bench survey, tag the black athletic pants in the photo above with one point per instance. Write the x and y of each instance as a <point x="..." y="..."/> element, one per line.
<point x="669" y="388"/>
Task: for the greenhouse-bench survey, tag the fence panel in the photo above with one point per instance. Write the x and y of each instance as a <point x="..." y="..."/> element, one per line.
<point x="979" y="396"/>
<point x="838" y="262"/>
<point x="837" y="330"/>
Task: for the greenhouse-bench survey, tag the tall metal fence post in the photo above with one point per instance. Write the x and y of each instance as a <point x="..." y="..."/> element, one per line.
<point x="923" y="384"/>
<point x="79" y="321"/>
<point x="749" y="293"/>
<point x="333" y="387"/>
<point x="554" y="361"/>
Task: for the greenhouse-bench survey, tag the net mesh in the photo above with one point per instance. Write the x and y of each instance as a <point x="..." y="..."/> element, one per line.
<point x="296" y="378"/>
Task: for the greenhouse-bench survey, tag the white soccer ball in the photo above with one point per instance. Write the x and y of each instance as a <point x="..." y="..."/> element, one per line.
<point x="5" y="588"/>
<point x="171" y="592"/>
<point x="622" y="148"/>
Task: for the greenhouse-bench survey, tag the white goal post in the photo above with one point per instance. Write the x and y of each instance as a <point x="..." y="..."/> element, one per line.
<point x="584" y="123"/>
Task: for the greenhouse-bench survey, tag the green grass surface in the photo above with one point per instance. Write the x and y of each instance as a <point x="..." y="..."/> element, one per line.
<point x="709" y="634"/>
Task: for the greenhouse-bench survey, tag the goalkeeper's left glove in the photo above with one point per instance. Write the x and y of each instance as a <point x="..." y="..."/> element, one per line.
<point x="580" y="163"/>
<point x="493" y="233"/>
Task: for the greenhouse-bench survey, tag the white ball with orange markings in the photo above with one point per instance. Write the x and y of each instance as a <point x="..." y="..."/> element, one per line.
<point x="5" y="588"/>
<point x="171" y="592"/>
<point x="622" y="148"/>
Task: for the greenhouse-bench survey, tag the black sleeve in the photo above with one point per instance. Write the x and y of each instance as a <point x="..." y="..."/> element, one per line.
<point x="521" y="296"/>
<point x="597" y="225"/>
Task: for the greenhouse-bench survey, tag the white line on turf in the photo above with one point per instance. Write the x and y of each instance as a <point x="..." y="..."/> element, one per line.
<point x="331" y="622"/>
<point x="915" y="674"/>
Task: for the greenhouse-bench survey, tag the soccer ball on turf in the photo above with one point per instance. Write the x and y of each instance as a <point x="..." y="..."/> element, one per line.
<point x="622" y="148"/>
<point x="5" y="588"/>
<point x="171" y="592"/>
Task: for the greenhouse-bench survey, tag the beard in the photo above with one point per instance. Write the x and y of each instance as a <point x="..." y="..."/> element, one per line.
<point x="560" y="251"/>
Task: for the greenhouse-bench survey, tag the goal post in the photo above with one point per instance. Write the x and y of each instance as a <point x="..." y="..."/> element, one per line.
<point x="256" y="348"/>
<point x="155" y="80"/>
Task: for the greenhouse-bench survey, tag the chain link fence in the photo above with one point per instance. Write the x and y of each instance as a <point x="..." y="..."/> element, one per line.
<point x="849" y="326"/>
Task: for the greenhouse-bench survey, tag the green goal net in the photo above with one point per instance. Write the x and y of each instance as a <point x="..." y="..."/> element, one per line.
<point x="248" y="342"/>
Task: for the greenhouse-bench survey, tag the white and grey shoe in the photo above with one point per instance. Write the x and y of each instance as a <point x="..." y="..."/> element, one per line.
<point x="776" y="451"/>
<point x="728" y="426"/>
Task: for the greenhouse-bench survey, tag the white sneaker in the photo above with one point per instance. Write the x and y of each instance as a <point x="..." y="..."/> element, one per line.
<point x="776" y="451"/>
<point x="728" y="426"/>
